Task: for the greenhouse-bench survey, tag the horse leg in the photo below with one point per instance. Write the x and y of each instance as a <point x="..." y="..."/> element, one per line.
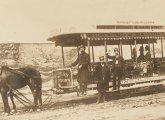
<point x="12" y="100"/>
<point x="35" y="86"/>
<point x="5" y="100"/>
<point x="40" y="99"/>
<point x="34" y="95"/>
<point x="39" y="94"/>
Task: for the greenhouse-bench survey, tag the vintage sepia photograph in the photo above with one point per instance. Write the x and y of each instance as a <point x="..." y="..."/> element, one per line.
<point x="82" y="60"/>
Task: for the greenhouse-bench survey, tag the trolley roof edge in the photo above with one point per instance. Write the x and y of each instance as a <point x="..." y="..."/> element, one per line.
<point x="112" y="38"/>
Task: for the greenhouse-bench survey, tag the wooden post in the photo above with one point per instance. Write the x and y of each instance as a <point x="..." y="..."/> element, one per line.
<point x="121" y="48"/>
<point x="63" y="56"/>
<point x="93" y="56"/>
<point x="131" y="50"/>
<point x="106" y="60"/>
<point x="149" y="45"/>
<point x="135" y="52"/>
<point x="93" y="62"/>
<point x="162" y="48"/>
<point x="153" y="47"/>
<point x="88" y="43"/>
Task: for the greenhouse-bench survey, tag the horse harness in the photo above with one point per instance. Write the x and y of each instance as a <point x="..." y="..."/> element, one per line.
<point x="24" y="100"/>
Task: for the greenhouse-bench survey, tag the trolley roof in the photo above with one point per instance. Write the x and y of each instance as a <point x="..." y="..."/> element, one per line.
<point x="97" y="39"/>
<point x="113" y="34"/>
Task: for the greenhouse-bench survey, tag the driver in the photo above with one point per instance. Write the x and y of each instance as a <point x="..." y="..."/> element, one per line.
<point x="83" y="61"/>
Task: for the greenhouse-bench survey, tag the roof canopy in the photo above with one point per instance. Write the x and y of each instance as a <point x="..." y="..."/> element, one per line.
<point x="113" y="38"/>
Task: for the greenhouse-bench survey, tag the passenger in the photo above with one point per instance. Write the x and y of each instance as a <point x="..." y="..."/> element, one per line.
<point x="102" y="75"/>
<point x="83" y="62"/>
<point x="117" y="68"/>
<point x="149" y="69"/>
<point x="148" y="54"/>
<point x="134" y="55"/>
<point x="141" y="56"/>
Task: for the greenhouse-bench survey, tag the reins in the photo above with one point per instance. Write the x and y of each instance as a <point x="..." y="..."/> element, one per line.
<point x="21" y="100"/>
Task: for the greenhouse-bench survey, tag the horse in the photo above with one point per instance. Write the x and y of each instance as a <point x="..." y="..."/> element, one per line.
<point x="13" y="79"/>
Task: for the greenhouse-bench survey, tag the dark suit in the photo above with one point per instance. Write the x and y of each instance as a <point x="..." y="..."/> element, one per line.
<point x="148" y="62"/>
<point x="83" y="72"/>
<point x="117" y="69"/>
<point x="147" y="56"/>
<point x="102" y="75"/>
<point x="141" y="58"/>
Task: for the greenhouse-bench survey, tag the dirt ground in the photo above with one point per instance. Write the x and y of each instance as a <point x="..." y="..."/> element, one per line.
<point x="148" y="107"/>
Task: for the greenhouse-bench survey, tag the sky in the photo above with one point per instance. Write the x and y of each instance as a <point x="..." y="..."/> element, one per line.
<point x="34" y="21"/>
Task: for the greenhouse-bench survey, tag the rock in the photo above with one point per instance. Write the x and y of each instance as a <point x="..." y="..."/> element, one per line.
<point x="3" y="113"/>
<point x="150" y="103"/>
<point x="13" y="111"/>
<point x="6" y="114"/>
<point x="31" y="110"/>
<point x="38" y="110"/>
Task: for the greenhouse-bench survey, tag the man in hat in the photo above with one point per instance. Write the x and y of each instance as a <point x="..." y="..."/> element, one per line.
<point x="147" y="59"/>
<point x="117" y="68"/>
<point x="147" y="56"/>
<point x="83" y="62"/>
<point x="102" y="76"/>
<point x="141" y="56"/>
<point x="134" y="55"/>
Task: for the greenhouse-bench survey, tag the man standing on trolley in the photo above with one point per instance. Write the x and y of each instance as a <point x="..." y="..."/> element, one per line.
<point x="117" y="68"/>
<point x="83" y="61"/>
<point x="102" y="76"/>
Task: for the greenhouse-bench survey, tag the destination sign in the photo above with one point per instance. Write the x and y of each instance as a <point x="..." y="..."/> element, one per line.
<point x="135" y="22"/>
<point x="129" y="27"/>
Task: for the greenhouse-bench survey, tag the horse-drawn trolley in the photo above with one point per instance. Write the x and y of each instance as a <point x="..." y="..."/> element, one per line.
<point x="131" y="40"/>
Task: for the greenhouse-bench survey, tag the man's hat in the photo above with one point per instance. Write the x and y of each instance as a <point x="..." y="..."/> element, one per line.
<point x="116" y="49"/>
<point x="101" y="58"/>
<point x="141" y="48"/>
<point x="147" y="47"/>
<point x="81" y="46"/>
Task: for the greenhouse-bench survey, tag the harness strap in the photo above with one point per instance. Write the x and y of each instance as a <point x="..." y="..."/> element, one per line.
<point x="17" y="97"/>
<point x="20" y="73"/>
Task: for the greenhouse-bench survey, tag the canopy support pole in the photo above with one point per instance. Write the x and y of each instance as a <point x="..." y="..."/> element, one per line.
<point x="135" y="52"/>
<point x="106" y="60"/>
<point x="121" y="48"/>
<point x="149" y="45"/>
<point x="93" y="56"/>
<point x="131" y="50"/>
<point x="162" y="48"/>
<point x="153" y="50"/>
<point x="88" y="43"/>
<point x="63" y="56"/>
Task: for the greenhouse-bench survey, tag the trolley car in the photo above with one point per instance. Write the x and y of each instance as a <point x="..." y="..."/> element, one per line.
<point x="131" y="36"/>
